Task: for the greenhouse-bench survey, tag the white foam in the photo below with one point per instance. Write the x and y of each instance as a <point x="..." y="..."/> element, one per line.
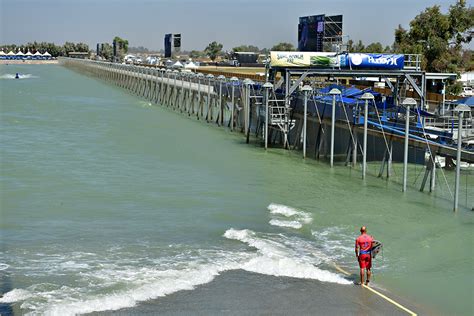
<point x="288" y="224"/>
<point x="276" y="259"/>
<point x="15" y="295"/>
<point x="171" y="281"/>
<point x="21" y="76"/>
<point x="292" y="268"/>
<point x="289" y="211"/>
<point x="4" y="266"/>
<point x="136" y="281"/>
<point x="132" y="284"/>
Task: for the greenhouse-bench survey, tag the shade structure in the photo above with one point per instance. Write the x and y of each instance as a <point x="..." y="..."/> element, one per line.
<point x="177" y="65"/>
<point x="37" y="55"/>
<point x="190" y="65"/>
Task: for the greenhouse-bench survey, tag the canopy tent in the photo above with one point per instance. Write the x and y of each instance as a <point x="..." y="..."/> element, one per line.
<point x="10" y="53"/>
<point x="191" y="65"/>
<point x="2" y="53"/>
<point x="20" y="54"/>
<point x="37" y="55"/>
<point x="177" y="65"/>
<point x="46" y="54"/>
<point x="29" y="54"/>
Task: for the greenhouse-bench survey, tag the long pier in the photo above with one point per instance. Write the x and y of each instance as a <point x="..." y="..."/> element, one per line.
<point x="242" y="106"/>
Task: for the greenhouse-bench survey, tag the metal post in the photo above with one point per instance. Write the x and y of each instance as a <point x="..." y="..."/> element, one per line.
<point x="233" y="80"/>
<point x="247" y="84"/>
<point x="366" y="96"/>
<point x="460" y="109"/>
<point x="199" y="110"/>
<point x="209" y="77"/>
<point x="221" y="110"/>
<point x="405" y="153"/>
<point x="334" y="92"/>
<point x="266" y="119"/>
<point x="306" y="89"/>
<point x="364" y="156"/>
<point x="267" y="86"/>
<point x="407" y="102"/>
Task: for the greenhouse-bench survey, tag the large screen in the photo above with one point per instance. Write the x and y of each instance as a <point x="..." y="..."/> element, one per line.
<point x="167" y="45"/>
<point x="315" y="30"/>
<point x="311" y="33"/>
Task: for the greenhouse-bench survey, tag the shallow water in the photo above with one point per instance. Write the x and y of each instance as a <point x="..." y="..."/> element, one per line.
<point x="108" y="201"/>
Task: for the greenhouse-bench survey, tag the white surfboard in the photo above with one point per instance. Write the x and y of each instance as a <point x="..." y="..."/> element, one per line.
<point x="376" y="247"/>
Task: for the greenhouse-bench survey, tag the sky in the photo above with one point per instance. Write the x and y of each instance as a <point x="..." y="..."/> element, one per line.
<point x="262" y="23"/>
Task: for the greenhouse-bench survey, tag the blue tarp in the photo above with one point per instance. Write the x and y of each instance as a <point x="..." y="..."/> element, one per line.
<point x="469" y="101"/>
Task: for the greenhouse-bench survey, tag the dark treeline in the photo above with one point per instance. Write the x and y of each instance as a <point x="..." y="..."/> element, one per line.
<point x="53" y="49"/>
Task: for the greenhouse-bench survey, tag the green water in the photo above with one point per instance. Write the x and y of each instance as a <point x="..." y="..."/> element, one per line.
<point x="108" y="201"/>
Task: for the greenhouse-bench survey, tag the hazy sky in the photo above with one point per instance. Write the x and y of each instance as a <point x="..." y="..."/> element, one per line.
<point x="144" y="22"/>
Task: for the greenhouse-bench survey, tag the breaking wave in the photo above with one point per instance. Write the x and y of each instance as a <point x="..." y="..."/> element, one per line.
<point x="296" y="217"/>
<point x="278" y="259"/>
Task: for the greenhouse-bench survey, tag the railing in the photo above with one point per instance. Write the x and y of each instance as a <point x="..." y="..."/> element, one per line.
<point x="413" y="62"/>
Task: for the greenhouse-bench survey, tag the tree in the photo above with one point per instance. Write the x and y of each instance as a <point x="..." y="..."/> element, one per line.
<point x="438" y="37"/>
<point x="374" y="48"/>
<point x="122" y="45"/>
<point x="358" y="47"/>
<point x="69" y="47"/>
<point x="246" y="48"/>
<point x="350" y="46"/>
<point x="82" y="47"/>
<point x="196" y="54"/>
<point x="107" y="51"/>
<point x="213" y="50"/>
<point x="283" y="47"/>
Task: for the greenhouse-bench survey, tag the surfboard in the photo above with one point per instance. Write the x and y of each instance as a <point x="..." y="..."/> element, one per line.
<point x="376" y="247"/>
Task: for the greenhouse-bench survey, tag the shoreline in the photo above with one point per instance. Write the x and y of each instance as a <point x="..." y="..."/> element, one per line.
<point x="29" y="62"/>
<point x="240" y="292"/>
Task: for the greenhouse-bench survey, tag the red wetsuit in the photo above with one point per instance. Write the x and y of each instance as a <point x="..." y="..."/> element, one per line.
<point x="364" y="242"/>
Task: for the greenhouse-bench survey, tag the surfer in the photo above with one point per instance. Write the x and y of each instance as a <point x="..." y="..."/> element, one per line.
<point x="17" y="76"/>
<point x="363" y="246"/>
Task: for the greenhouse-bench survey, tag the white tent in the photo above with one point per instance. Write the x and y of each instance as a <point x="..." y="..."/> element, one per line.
<point x="10" y="53"/>
<point x="2" y="53"/>
<point x="37" y="55"/>
<point x="177" y="65"/>
<point x="191" y="65"/>
<point x="47" y="55"/>
<point x="20" y="53"/>
<point x="28" y="53"/>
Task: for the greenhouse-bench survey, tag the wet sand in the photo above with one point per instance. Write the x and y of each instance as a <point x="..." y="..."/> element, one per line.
<point x="243" y="293"/>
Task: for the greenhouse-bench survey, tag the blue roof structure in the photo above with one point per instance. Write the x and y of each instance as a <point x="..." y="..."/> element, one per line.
<point x="469" y="101"/>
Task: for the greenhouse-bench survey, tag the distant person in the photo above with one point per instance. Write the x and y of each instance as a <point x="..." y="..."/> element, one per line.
<point x="17" y="76"/>
<point x="363" y="246"/>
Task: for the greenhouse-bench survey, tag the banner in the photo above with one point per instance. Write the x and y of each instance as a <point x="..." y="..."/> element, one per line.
<point x="303" y="59"/>
<point x="374" y="61"/>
